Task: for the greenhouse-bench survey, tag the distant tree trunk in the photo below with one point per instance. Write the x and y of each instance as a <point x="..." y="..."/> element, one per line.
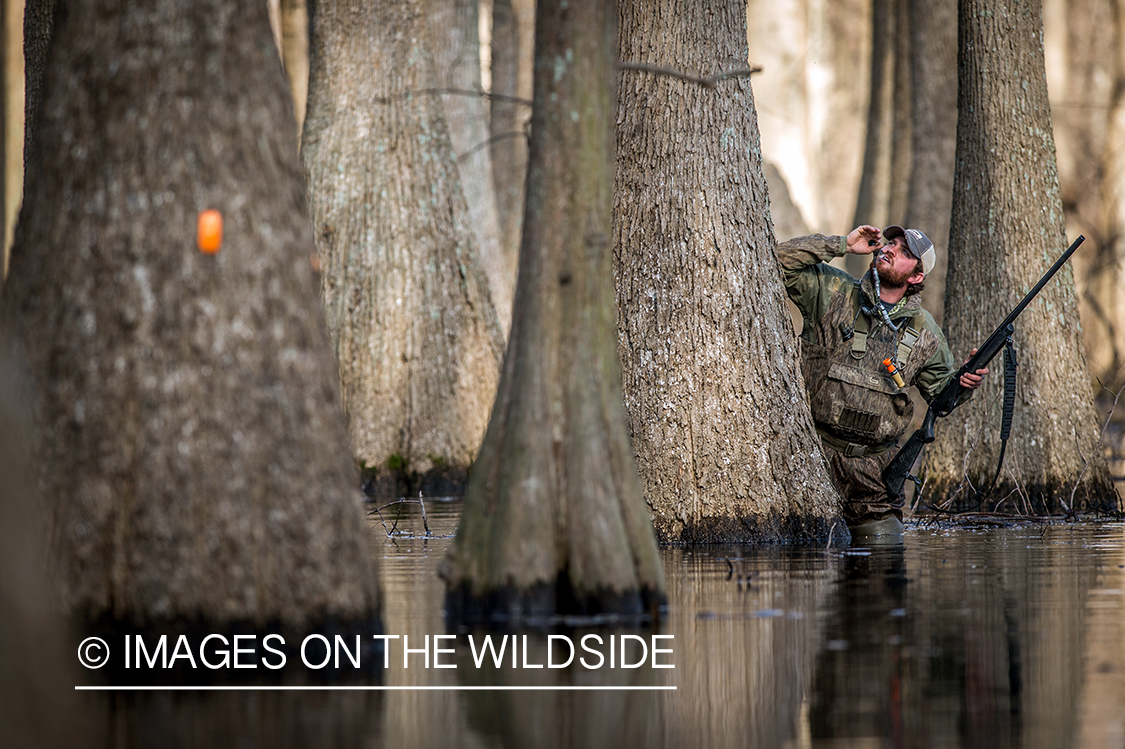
<point x="295" y="54"/>
<point x="191" y="445"/>
<point x="1007" y="229"/>
<point x="455" y="26"/>
<point x="933" y="134"/>
<point x="513" y="32"/>
<point x="409" y="312"/>
<point x="812" y="97"/>
<point x="554" y="522"/>
<point x="1108" y="275"/>
<point x="1088" y="104"/>
<point x="718" y="413"/>
<point x="886" y="154"/>
<point x="877" y="181"/>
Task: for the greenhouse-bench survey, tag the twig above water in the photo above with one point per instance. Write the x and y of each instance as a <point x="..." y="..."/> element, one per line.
<point x="401" y="501"/>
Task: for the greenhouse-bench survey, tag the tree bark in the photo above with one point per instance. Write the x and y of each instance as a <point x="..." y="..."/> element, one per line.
<point x="513" y="35"/>
<point x="38" y="27"/>
<point x="455" y="26"/>
<point x="718" y="412"/>
<point x="554" y="522"/>
<point x="190" y="439"/>
<point x="409" y="312"/>
<point x="1007" y="230"/>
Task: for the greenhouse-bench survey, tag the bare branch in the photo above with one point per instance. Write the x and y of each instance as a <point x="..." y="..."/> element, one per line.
<point x="489" y="141"/>
<point x="706" y="82"/>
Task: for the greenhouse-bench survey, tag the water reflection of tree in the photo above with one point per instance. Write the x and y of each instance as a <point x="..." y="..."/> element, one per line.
<point x="976" y="642"/>
<point x="858" y="688"/>
<point x="560" y="719"/>
<point x="744" y="652"/>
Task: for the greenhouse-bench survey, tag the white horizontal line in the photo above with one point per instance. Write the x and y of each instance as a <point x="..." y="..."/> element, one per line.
<point x="368" y="689"/>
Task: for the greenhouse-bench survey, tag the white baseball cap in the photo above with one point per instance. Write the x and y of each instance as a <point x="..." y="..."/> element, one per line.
<point x="918" y="243"/>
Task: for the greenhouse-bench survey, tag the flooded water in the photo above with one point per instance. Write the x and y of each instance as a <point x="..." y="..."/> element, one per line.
<point x="990" y="637"/>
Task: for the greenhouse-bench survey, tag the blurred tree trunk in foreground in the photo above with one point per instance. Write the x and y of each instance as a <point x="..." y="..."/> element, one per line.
<point x="513" y="37"/>
<point x="455" y="28"/>
<point x="408" y="306"/>
<point x="718" y="413"/>
<point x="554" y="521"/>
<point x="190" y="442"/>
<point x="1008" y="228"/>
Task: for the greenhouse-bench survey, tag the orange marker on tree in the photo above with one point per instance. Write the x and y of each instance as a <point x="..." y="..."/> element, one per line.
<point x="893" y="370"/>
<point x="209" y="232"/>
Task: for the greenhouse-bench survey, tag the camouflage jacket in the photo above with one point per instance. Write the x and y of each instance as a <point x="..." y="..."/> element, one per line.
<point x="852" y="395"/>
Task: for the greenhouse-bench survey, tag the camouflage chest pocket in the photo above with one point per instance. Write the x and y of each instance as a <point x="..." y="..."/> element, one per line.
<point x="859" y="405"/>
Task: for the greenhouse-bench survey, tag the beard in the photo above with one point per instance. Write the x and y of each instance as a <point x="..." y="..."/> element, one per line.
<point x="891" y="279"/>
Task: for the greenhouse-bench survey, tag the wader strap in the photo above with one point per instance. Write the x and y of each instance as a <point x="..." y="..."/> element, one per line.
<point x="853" y="449"/>
<point x="859" y="332"/>
<point x="909" y="337"/>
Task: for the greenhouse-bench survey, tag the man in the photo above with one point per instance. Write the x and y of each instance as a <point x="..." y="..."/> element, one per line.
<point x="851" y="328"/>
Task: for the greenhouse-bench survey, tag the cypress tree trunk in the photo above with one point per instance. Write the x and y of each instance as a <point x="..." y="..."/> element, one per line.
<point x="455" y="25"/>
<point x="408" y="307"/>
<point x="554" y="522"/>
<point x="718" y="412"/>
<point x="1007" y="230"/>
<point x="513" y="32"/>
<point x="190" y="443"/>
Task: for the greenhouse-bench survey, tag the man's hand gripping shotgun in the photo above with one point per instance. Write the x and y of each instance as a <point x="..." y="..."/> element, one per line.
<point x="898" y="470"/>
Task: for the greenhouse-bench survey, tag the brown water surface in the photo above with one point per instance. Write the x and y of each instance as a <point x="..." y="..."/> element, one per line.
<point x="989" y="637"/>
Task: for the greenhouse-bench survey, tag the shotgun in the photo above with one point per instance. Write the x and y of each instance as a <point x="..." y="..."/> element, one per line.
<point x="898" y="470"/>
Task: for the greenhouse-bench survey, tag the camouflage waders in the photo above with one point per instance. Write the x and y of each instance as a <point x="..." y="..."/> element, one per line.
<point x="859" y="411"/>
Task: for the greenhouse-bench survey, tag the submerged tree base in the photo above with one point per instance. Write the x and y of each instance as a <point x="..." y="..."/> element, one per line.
<point x="547" y="605"/>
<point x="754" y="529"/>
<point x="440" y="481"/>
